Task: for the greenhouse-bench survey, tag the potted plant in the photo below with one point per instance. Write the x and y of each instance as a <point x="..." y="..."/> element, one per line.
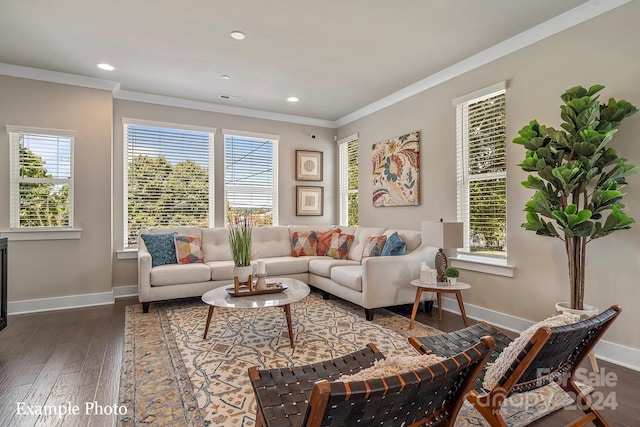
<point x="577" y="178"/>
<point x="240" y="243"/>
<point x="452" y="274"/>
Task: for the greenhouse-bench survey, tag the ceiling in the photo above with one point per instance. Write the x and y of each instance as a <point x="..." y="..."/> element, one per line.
<point x="336" y="56"/>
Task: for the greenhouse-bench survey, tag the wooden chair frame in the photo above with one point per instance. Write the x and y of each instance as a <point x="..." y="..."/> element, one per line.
<point x="309" y="395"/>
<point x="557" y="351"/>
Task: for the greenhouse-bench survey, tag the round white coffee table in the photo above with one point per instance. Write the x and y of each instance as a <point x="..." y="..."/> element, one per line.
<point x="219" y="297"/>
<point x="439" y="289"/>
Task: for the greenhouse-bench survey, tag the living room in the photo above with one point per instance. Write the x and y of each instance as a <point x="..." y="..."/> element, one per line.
<point x="91" y="266"/>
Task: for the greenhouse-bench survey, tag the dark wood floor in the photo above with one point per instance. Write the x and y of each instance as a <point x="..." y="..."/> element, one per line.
<point x="57" y="357"/>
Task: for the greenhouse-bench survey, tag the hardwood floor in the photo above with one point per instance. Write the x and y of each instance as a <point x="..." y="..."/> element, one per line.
<point x="58" y="357"/>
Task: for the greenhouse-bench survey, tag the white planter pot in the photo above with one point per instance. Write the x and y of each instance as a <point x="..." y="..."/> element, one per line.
<point x="589" y="310"/>
<point x="452" y="280"/>
<point x="243" y="273"/>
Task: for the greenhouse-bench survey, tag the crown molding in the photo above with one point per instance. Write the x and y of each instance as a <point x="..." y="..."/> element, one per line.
<point x="128" y="95"/>
<point x="559" y="23"/>
<point x="56" y="77"/>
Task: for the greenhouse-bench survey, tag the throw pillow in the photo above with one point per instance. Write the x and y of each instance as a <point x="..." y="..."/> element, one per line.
<point x="161" y="247"/>
<point x="324" y="240"/>
<point x="497" y="369"/>
<point x="374" y="246"/>
<point x="340" y="244"/>
<point x="304" y="243"/>
<point x="188" y="249"/>
<point x="392" y="366"/>
<point x="394" y="246"/>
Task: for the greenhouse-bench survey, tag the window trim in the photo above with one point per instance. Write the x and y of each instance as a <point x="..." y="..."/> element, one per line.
<point x="343" y="178"/>
<point x="275" y="139"/>
<point x="15" y="232"/>
<point x="465" y="259"/>
<point x="128" y="121"/>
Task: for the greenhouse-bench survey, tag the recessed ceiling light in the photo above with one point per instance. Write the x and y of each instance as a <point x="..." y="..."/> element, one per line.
<point x="238" y="35"/>
<point x="106" y="67"/>
<point x="225" y="77"/>
<point x="292" y="99"/>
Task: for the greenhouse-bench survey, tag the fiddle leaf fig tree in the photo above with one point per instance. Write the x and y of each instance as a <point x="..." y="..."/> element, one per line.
<point x="577" y="178"/>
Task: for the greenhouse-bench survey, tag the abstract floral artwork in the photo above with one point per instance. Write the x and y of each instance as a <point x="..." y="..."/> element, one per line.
<point x="396" y="168"/>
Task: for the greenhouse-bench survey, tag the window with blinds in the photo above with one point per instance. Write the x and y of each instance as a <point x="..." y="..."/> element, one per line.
<point x="482" y="173"/>
<point x="41" y="182"/>
<point x="348" y="181"/>
<point x="251" y="177"/>
<point x="168" y="178"/>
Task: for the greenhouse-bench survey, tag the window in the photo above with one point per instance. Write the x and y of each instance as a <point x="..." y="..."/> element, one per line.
<point x="251" y="176"/>
<point x="168" y="177"/>
<point x="481" y="171"/>
<point x="348" y="182"/>
<point x="41" y="182"/>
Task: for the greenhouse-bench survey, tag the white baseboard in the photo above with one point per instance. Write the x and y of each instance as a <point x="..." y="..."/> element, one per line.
<point x="628" y="357"/>
<point x="71" y="301"/>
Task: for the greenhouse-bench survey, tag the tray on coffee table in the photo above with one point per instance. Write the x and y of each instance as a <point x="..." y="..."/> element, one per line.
<point x="243" y="291"/>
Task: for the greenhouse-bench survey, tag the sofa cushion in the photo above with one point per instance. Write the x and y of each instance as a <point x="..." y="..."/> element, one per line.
<point x="177" y="274"/>
<point x="188" y="249"/>
<point x="304" y="243"/>
<point x="215" y="244"/>
<point x="221" y="270"/>
<point x="340" y="244"/>
<point x="349" y="276"/>
<point x="361" y="236"/>
<point x="270" y="242"/>
<point x="374" y="246"/>
<point x="161" y="247"/>
<point x="412" y="238"/>
<point x="322" y="265"/>
<point x="280" y="266"/>
<point x="394" y="246"/>
<point x="324" y="240"/>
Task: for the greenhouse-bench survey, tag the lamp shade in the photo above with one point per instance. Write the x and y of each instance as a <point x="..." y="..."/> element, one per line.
<point x="443" y="235"/>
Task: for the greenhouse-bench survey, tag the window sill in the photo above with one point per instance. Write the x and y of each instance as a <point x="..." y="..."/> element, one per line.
<point x="127" y="254"/>
<point x="497" y="267"/>
<point x="40" y="234"/>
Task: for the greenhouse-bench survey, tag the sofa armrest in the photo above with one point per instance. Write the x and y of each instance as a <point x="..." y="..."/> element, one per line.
<point x="144" y="272"/>
<point x="382" y="276"/>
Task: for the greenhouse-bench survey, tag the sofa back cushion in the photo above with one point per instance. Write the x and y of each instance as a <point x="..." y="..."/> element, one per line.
<point x="362" y="234"/>
<point x="215" y="244"/>
<point x="270" y="241"/>
<point x="411" y="238"/>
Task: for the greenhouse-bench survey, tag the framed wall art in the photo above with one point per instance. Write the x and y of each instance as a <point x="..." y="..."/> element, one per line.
<point x="396" y="171"/>
<point x="309" y="200"/>
<point x="308" y="165"/>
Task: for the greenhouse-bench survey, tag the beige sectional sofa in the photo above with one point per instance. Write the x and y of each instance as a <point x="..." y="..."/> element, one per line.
<point x="371" y="282"/>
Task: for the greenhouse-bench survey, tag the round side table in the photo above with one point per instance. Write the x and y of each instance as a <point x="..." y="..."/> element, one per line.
<point x="439" y="288"/>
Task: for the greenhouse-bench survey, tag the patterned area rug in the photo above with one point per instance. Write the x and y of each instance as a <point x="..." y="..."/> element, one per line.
<point x="171" y="376"/>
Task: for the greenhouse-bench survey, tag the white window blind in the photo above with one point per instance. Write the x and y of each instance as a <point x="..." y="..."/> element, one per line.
<point x="348" y="181"/>
<point x="41" y="178"/>
<point x="251" y="177"/>
<point x="481" y="173"/>
<point x="168" y="178"/>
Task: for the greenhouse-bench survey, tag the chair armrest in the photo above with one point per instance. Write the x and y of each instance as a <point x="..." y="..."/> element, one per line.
<point x="144" y="272"/>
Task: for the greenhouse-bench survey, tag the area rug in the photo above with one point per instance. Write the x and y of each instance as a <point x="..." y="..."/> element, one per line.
<point x="171" y="376"/>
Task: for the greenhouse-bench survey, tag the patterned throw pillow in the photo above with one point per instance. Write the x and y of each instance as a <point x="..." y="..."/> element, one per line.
<point x="304" y="243"/>
<point x="340" y="244"/>
<point x="394" y="246"/>
<point x="324" y="240"/>
<point x="374" y="246"/>
<point x="161" y="247"/>
<point x="188" y="249"/>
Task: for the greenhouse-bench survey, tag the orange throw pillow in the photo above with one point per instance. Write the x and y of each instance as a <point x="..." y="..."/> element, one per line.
<point x="324" y="240"/>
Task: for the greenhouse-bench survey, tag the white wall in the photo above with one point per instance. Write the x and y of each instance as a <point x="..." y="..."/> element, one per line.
<point x="598" y="51"/>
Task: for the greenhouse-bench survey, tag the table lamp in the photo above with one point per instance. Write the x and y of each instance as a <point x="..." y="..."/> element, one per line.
<point x="442" y="235"/>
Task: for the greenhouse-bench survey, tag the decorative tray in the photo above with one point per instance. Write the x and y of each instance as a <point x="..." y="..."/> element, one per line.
<point x="243" y="291"/>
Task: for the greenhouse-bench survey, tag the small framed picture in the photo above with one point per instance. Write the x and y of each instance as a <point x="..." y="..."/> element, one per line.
<point x="308" y="165"/>
<point x="309" y="200"/>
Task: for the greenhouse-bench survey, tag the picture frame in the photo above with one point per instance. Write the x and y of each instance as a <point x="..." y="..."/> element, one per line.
<point x="308" y="165"/>
<point x="309" y="200"/>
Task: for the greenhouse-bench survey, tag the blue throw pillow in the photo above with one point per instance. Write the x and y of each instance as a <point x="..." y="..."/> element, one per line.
<point x="162" y="248"/>
<point x="394" y="246"/>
